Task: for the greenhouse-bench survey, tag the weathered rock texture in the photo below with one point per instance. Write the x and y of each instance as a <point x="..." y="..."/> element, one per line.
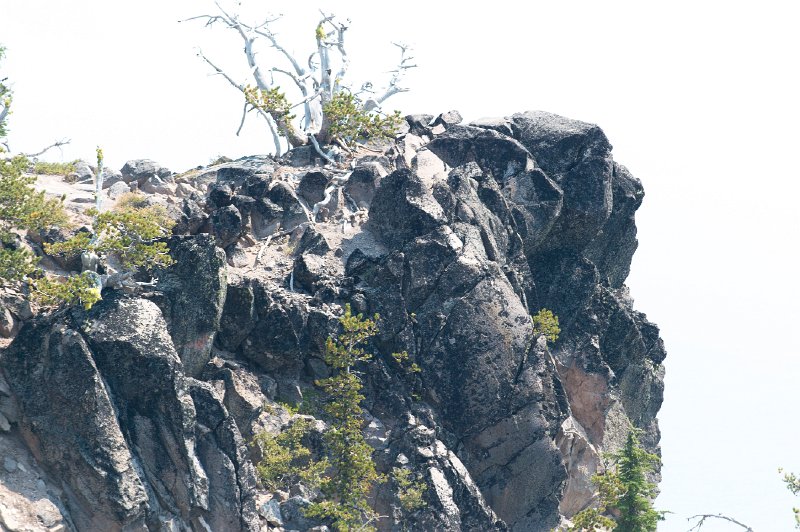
<point x="455" y="235"/>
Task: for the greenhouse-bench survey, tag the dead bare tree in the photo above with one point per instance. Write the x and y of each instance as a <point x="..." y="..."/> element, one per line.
<point x="320" y="80"/>
<point x="702" y="519"/>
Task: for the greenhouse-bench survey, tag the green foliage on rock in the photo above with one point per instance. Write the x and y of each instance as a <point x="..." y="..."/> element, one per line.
<point x="347" y="475"/>
<point x="409" y="490"/>
<point x="45" y="168"/>
<point x="129" y="232"/>
<point x="83" y="289"/>
<point x="624" y="493"/>
<point x="353" y="474"/>
<point x="287" y="460"/>
<point x="22" y="208"/>
<point x="546" y="323"/>
<point x="349" y="122"/>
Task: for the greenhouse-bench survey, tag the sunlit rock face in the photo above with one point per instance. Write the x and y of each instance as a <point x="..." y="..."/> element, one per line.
<point x="141" y="409"/>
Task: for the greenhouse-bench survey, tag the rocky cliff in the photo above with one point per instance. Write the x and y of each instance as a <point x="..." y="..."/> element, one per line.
<point x="137" y="414"/>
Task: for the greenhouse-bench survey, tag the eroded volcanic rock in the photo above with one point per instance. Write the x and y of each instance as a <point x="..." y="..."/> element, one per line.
<point x="455" y="234"/>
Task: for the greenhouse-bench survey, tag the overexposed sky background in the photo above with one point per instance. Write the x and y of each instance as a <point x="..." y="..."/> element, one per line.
<point x="700" y="100"/>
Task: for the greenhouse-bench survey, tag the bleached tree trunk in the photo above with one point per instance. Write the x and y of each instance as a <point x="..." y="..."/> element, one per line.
<point x="317" y="82"/>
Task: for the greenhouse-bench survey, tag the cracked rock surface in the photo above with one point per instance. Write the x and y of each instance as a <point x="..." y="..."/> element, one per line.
<point x="138" y="413"/>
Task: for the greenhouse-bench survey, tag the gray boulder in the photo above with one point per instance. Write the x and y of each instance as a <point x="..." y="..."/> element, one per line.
<point x="140" y="170"/>
<point x="226" y="225"/>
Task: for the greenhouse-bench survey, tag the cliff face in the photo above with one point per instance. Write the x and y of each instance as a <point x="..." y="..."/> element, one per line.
<point x="140" y="410"/>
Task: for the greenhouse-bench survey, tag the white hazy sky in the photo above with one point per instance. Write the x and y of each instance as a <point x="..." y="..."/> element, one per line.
<point x="700" y="100"/>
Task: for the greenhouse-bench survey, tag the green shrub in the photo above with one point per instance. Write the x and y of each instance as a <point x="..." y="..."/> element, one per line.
<point x="286" y="460"/>
<point x="83" y="289"/>
<point x="409" y="491"/>
<point x="128" y="232"/>
<point x="22" y="208"/>
<point x="349" y="122"/>
<point x="45" y="168"/>
<point x="545" y="323"/>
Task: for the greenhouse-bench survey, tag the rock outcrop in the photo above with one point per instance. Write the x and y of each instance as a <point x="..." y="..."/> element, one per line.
<point x="140" y="409"/>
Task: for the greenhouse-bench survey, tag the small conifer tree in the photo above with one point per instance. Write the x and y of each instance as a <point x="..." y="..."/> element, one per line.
<point x="353" y="475"/>
<point x="625" y="494"/>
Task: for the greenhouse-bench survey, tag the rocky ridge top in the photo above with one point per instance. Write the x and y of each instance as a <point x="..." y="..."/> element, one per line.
<point x="138" y="412"/>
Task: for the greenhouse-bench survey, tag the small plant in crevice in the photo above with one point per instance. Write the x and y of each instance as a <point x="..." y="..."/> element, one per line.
<point x="545" y="323"/>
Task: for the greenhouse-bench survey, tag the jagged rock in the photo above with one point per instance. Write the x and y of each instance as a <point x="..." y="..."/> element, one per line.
<point x="403" y="208"/>
<point x="419" y="124"/>
<point x="278" y="337"/>
<point x="501" y="125"/>
<point x="243" y="397"/>
<point x="83" y="173"/>
<point x="577" y="156"/>
<point x="363" y="183"/>
<point x="294" y="214"/>
<point x="256" y="186"/>
<point x="239" y="315"/>
<point x="234" y="176"/>
<point x="313" y="242"/>
<point x="157" y="185"/>
<point x="294" y="518"/>
<point x="271" y="511"/>
<point x="190" y="219"/>
<point x="185" y="190"/>
<point x="237" y="255"/>
<point x="448" y="119"/>
<point x="495" y="153"/>
<point x="8" y="324"/>
<point x="111" y="177"/>
<point x="118" y="189"/>
<point x="220" y="195"/>
<point x="244" y="204"/>
<point x="265" y="218"/>
<point x="309" y="271"/>
<point x="123" y="437"/>
<point x="583" y="461"/>
<point x="194" y="289"/>
<point x="226" y="225"/>
<point x="312" y="186"/>
<point x="482" y="225"/>
<point x="140" y="170"/>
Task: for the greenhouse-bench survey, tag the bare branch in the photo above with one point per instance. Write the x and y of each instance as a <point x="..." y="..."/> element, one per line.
<point x="703" y="518"/>
<point x="244" y="116"/>
<point x="319" y="150"/>
<point x="297" y="81"/>
<point x="265" y="115"/>
<point x="219" y="71"/>
<point x="273" y="41"/>
<point x="397" y="76"/>
<point x="57" y="144"/>
<point x="307" y="99"/>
